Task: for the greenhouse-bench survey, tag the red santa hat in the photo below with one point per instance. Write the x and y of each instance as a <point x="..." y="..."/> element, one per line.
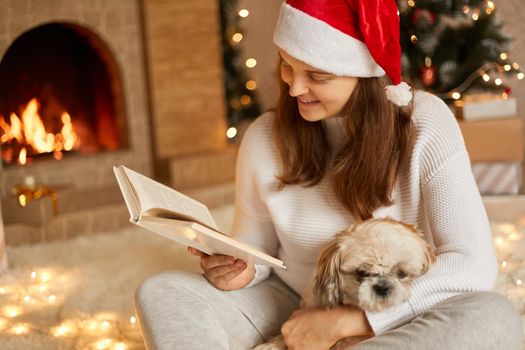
<point x="357" y="38"/>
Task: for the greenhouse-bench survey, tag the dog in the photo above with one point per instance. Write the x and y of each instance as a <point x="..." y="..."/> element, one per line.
<point x="371" y="265"/>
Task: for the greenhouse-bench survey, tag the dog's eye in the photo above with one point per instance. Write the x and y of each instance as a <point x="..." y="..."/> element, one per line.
<point x="401" y="274"/>
<point x="361" y="273"/>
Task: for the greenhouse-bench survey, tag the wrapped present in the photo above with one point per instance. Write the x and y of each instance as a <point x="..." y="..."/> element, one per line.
<point x="499" y="140"/>
<point x="485" y="106"/>
<point x="498" y="178"/>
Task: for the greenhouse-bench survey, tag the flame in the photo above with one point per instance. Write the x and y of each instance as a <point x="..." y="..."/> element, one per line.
<point x="30" y="132"/>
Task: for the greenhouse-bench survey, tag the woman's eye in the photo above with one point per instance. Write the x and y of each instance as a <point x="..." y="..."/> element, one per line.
<point x="318" y="79"/>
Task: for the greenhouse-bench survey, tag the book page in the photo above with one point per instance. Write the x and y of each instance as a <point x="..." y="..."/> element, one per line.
<point x="130" y="197"/>
<point x="206" y="240"/>
<point x="158" y="199"/>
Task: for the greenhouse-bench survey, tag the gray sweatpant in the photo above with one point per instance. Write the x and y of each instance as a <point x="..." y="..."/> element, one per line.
<point x="181" y="310"/>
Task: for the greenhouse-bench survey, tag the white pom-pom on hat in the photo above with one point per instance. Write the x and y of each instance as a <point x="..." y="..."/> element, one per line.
<point x="399" y="94"/>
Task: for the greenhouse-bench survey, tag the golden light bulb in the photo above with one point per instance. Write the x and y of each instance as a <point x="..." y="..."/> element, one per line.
<point x="515" y="65"/>
<point x="456" y="95"/>
<point x="411" y="3"/>
<point x="245" y="100"/>
<point x="507" y="67"/>
<point x="244" y="13"/>
<point x="520" y="75"/>
<point x="237" y="37"/>
<point x="12" y="311"/>
<point x="230" y="133"/>
<point x="251" y="85"/>
<point x="133" y="319"/>
<point x="105" y="325"/>
<point x="413" y="39"/>
<point x="251" y="62"/>
<point x="504" y="264"/>
<point x="491" y="5"/>
<point x="3" y="290"/>
<point x="52" y="298"/>
<point x="27" y="298"/>
<point x="466" y="9"/>
<point x="519" y="282"/>
<point x="33" y="274"/>
<point x="486" y="77"/>
<point x="45" y="277"/>
<point x="498" y="81"/>
<point x="20" y="329"/>
<point x="475" y="16"/>
<point x="120" y="346"/>
<point x="503" y="56"/>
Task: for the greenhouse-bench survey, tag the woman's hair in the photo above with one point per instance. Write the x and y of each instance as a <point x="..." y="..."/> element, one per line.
<point x="380" y="137"/>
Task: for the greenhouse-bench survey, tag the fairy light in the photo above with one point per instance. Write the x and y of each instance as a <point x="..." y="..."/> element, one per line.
<point x="105" y="325"/>
<point x="515" y="66"/>
<point x="251" y="85"/>
<point x="33" y="274"/>
<point x="3" y="290"/>
<point x="12" y="311"/>
<point x="45" y="277"/>
<point x="498" y="81"/>
<point x="52" y="298"/>
<point x="230" y="133"/>
<point x="519" y="282"/>
<point x="503" y="56"/>
<point x="133" y="319"/>
<point x="27" y="298"/>
<point x="244" y="13"/>
<point x="520" y="75"/>
<point x="411" y="3"/>
<point x="504" y="264"/>
<point x="20" y="329"/>
<point x="237" y="37"/>
<point x="120" y="346"/>
<point x="485" y="77"/>
<point x="251" y="62"/>
<point x="413" y="39"/>
<point x="466" y="9"/>
<point x="507" y="67"/>
<point x="475" y="15"/>
<point x="245" y="100"/>
<point x="456" y="95"/>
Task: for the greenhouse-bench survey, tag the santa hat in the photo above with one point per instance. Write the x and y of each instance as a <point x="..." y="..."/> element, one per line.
<point x="357" y="38"/>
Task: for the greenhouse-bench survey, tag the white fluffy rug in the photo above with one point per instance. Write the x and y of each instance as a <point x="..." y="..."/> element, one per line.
<point x="80" y="294"/>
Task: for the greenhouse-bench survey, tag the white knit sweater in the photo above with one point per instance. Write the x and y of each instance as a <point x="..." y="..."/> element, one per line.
<point x="436" y="192"/>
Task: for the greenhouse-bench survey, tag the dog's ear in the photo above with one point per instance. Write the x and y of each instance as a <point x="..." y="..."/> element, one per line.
<point x="429" y="258"/>
<point x="326" y="288"/>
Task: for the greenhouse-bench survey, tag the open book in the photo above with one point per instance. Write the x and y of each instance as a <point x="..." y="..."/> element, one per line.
<point x="180" y="218"/>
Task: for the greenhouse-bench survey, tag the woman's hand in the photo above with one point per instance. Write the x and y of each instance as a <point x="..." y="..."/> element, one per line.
<point x="224" y="272"/>
<point x="319" y="328"/>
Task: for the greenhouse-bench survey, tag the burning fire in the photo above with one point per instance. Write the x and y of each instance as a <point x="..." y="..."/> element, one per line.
<point x="29" y="135"/>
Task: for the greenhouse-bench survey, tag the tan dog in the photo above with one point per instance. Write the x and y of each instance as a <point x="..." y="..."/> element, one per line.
<point x="371" y="265"/>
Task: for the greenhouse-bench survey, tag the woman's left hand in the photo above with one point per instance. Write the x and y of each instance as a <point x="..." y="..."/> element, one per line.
<point x="319" y="328"/>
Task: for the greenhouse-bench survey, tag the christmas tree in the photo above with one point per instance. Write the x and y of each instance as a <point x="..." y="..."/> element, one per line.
<point x="454" y="46"/>
<point x="240" y="90"/>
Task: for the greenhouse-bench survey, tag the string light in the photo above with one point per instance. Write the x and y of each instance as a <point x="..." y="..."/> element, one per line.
<point x="251" y="62"/>
<point x="515" y="66"/>
<point x="485" y="77"/>
<point x="230" y="133"/>
<point x="503" y="56"/>
<point x="251" y="85"/>
<point x="244" y="13"/>
<point x="411" y="3"/>
<point x="245" y="100"/>
<point x="498" y="81"/>
<point x="456" y="95"/>
<point x="20" y="329"/>
<point x="413" y="39"/>
<point x="237" y="37"/>
<point x="133" y="319"/>
<point x="520" y="75"/>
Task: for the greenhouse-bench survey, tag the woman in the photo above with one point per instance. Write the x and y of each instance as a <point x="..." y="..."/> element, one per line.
<point x="342" y="146"/>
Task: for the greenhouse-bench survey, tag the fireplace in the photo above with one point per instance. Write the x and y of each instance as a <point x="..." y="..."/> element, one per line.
<point x="73" y="73"/>
<point x="60" y="92"/>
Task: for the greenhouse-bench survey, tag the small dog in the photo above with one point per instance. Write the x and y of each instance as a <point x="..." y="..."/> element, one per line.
<point x="371" y="265"/>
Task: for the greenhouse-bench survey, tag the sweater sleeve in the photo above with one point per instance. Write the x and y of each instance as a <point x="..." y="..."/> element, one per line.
<point x="252" y="223"/>
<point x="465" y="258"/>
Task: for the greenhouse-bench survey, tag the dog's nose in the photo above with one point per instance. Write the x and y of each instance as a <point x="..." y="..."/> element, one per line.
<point x="382" y="288"/>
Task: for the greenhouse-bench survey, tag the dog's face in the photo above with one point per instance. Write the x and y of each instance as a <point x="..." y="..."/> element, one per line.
<point x="371" y="265"/>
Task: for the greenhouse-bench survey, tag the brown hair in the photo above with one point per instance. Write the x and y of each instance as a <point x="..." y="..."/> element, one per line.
<point x="380" y="137"/>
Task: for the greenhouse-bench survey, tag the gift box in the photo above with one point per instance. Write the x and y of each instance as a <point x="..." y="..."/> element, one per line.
<point x="498" y="178"/>
<point x="498" y="140"/>
<point x="485" y="106"/>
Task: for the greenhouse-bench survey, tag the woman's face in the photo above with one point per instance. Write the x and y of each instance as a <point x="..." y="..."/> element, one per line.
<point x="319" y="95"/>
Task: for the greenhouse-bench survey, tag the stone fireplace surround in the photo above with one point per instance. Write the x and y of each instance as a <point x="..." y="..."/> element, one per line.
<point x="85" y="181"/>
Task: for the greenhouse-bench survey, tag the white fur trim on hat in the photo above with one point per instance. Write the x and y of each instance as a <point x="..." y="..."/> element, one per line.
<point x="399" y="94"/>
<point x="322" y="46"/>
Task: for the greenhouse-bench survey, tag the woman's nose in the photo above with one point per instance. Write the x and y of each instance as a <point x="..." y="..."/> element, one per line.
<point x="297" y="87"/>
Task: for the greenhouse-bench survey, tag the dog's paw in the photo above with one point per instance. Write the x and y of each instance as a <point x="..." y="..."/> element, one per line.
<point x="276" y="343"/>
